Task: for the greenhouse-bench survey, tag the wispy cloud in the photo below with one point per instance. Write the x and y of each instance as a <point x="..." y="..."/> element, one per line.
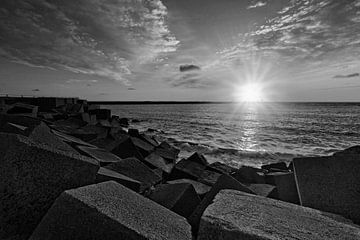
<point x="257" y="4"/>
<point x="101" y="38"/>
<point x="348" y="76"/>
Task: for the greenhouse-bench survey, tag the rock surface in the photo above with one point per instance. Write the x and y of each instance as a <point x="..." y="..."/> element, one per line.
<point x="285" y="184"/>
<point x="104" y="175"/>
<point x="32" y="176"/>
<point x="237" y="215"/>
<point x="330" y="184"/>
<point x="109" y="211"/>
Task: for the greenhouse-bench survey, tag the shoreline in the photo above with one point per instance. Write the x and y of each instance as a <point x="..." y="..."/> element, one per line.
<point x="77" y="152"/>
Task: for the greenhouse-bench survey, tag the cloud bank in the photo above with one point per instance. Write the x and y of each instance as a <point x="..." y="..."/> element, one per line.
<point x="101" y="38"/>
<point x="348" y="76"/>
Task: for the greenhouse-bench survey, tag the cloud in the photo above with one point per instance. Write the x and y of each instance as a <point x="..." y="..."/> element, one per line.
<point x="131" y="89"/>
<point x="347" y="76"/>
<point x="81" y="81"/>
<point x="257" y="4"/>
<point x="101" y="38"/>
<point x="36" y="90"/>
<point x="188" y="67"/>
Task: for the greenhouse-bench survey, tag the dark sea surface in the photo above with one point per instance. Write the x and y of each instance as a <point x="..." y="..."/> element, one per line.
<point x="251" y="134"/>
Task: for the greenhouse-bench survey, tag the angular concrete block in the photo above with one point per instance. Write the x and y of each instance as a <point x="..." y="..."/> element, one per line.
<point x="144" y="147"/>
<point x="285" y="185"/>
<point x="264" y="190"/>
<point x="156" y="161"/>
<point x="246" y="174"/>
<point x="32" y="176"/>
<point x="224" y="182"/>
<point x="109" y="211"/>
<point x="187" y="169"/>
<point x="126" y="148"/>
<point x="180" y="198"/>
<point x="198" y="158"/>
<point x="101" y="155"/>
<point x="209" y="177"/>
<point x="104" y="175"/>
<point x="237" y="215"/>
<point x="221" y="168"/>
<point x="278" y="165"/>
<point x="135" y="169"/>
<point x="200" y="188"/>
<point x="330" y="184"/>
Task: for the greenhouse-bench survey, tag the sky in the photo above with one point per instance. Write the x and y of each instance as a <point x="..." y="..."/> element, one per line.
<point x="181" y="50"/>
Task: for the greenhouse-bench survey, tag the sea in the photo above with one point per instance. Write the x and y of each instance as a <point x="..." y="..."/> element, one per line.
<point x="249" y="133"/>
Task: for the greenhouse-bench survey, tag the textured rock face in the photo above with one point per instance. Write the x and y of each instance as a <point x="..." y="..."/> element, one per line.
<point x="330" y="184"/>
<point x="32" y="176"/>
<point x="237" y="215"/>
<point x="109" y="211"/>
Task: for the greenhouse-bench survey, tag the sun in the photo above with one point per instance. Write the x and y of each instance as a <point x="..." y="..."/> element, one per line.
<point x="251" y="92"/>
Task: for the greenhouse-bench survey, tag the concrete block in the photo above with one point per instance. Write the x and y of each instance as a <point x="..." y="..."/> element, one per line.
<point x="135" y="169"/>
<point x="355" y="150"/>
<point x="23" y="109"/>
<point x="109" y="211"/>
<point x="102" y="156"/>
<point x="180" y="198"/>
<point x="200" y="188"/>
<point x="285" y="184"/>
<point x="104" y="175"/>
<point x="330" y="184"/>
<point x="237" y="215"/>
<point x="32" y="175"/>
<point x="278" y="165"/>
<point x="265" y="190"/>
<point x="101" y="113"/>
<point x="126" y="148"/>
<point x="158" y="162"/>
<point x="149" y="140"/>
<point x="224" y="182"/>
<point x="209" y="177"/>
<point x="187" y="169"/>
<point x="198" y="158"/>
<point x="221" y="168"/>
<point x="144" y="147"/>
<point x="246" y="174"/>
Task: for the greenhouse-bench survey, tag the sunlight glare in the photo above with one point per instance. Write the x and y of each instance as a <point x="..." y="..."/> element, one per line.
<point x="250" y="93"/>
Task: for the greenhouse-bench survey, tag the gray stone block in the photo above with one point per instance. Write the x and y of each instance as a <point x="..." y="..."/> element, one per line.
<point x="330" y="184"/>
<point x="285" y="184"/>
<point x="264" y="190"/>
<point x="101" y="155"/>
<point x="32" y="176"/>
<point x="104" y="175"/>
<point x="135" y="169"/>
<point x="246" y="174"/>
<point x="237" y="215"/>
<point x="156" y="161"/>
<point x="180" y="198"/>
<point x="200" y="188"/>
<point x="109" y="211"/>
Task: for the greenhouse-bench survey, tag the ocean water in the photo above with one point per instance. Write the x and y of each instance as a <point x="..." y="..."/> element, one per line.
<point x="250" y="134"/>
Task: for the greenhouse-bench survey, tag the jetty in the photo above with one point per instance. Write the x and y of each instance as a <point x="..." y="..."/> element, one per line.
<point x="70" y="169"/>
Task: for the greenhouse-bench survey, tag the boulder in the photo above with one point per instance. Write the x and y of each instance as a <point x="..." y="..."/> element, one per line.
<point x="180" y="198"/>
<point x="32" y="176"/>
<point x="265" y="190"/>
<point x="330" y="184"/>
<point x="237" y="215"/>
<point x="104" y="175"/>
<point x="273" y="166"/>
<point x="221" y="168"/>
<point x="109" y="211"/>
<point x="187" y="169"/>
<point x="224" y="182"/>
<point x="23" y="109"/>
<point x="285" y="184"/>
<point x="246" y="174"/>
<point x="144" y="147"/>
<point x="100" y="113"/>
<point x="135" y="169"/>
<point x="102" y="156"/>
<point x="156" y="161"/>
<point x="126" y="148"/>
<point x="200" y="188"/>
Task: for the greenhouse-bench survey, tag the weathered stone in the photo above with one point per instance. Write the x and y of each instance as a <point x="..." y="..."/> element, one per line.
<point x="104" y="175"/>
<point x="126" y="148"/>
<point x="221" y="168"/>
<point x="109" y="211"/>
<point x="285" y="184"/>
<point x="278" y="165"/>
<point x="158" y="162"/>
<point x="102" y="156"/>
<point x="224" y="182"/>
<point x="265" y="190"/>
<point x="330" y="184"/>
<point x="23" y="109"/>
<point x="135" y="169"/>
<point x="180" y="198"/>
<point x="246" y="174"/>
<point x="32" y="176"/>
<point x="237" y="215"/>
<point x="144" y="147"/>
<point x="200" y="188"/>
<point x="198" y="158"/>
<point x="209" y="177"/>
<point x="101" y="113"/>
<point x="187" y="169"/>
